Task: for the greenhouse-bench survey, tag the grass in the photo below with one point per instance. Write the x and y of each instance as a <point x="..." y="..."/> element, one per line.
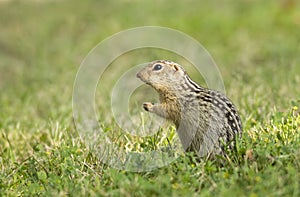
<point x="254" y="43"/>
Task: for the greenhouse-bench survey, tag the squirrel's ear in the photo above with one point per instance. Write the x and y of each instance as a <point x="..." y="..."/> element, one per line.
<point x="176" y="67"/>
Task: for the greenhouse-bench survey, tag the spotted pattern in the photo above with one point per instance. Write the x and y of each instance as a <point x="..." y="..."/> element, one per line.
<point x="218" y="103"/>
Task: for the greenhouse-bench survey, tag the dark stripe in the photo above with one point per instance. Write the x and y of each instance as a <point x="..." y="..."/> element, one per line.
<point x="192" y="83"/>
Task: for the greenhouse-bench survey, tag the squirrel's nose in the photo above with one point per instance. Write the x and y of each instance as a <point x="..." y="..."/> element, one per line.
<point x="138" y="75"/>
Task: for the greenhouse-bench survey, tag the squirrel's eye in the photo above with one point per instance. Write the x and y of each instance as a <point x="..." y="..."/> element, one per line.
<point x="157" y="67"/>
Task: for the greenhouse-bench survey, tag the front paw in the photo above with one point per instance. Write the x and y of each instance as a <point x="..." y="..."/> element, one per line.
<point x="148" y="106"/>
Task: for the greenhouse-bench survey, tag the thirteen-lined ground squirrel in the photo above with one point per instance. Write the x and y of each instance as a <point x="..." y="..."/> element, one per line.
<point x="206" y="120"/>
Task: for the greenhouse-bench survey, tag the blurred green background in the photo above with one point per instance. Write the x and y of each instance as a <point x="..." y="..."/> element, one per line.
<point x="256" y="45"/>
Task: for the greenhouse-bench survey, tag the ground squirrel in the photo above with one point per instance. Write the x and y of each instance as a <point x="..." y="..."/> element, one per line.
<point x="206" y="120"/>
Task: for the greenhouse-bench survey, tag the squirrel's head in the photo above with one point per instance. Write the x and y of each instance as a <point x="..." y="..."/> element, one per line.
<point x="162" y="75"/>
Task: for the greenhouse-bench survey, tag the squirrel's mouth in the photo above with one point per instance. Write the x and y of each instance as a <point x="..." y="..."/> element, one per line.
<point x="139" y="75"/>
